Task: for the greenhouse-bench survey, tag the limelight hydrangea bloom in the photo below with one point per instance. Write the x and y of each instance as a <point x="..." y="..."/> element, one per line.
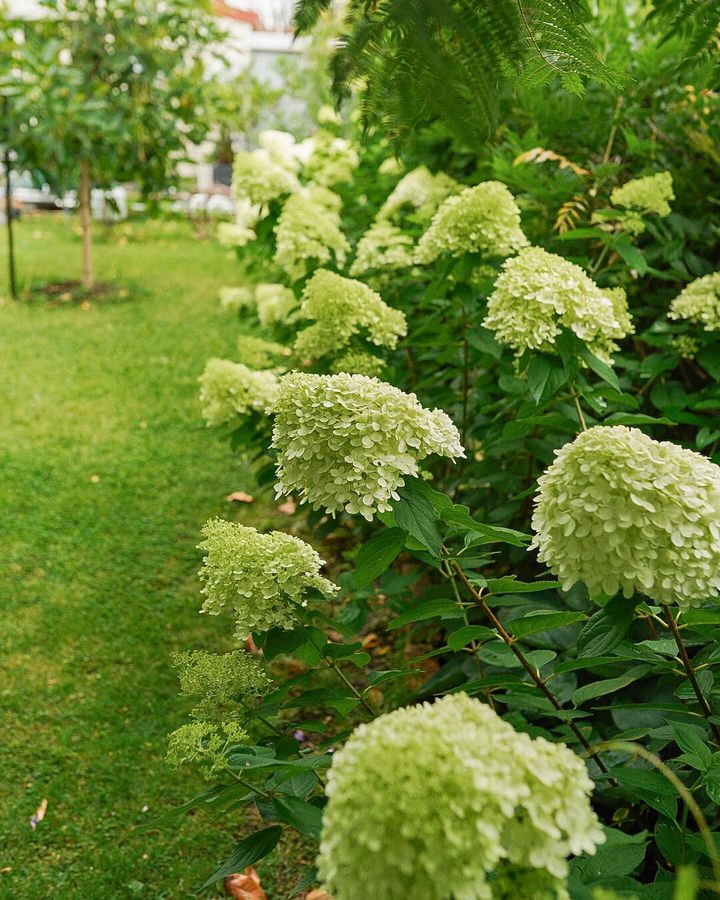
<point x="652" y="193"/>
<point x="236" y="297"/>
<point x="481" y="219"/>
<point x="618" y="510"/>
<point x="229" y="389"/>
<point x="220" y="680"/>
<point x="356" y="362"/>
<point x="538" y="293"/>
<point x="342" y="307"/>
<point x="257" y="179"/>
<point x="308" y="232"/>
<point x="280" y="147"/>
<point x="204" y="743"/>
<point x="420" y="191"/>
<point x="383" y="247"/>
<point x="685" y="346"/>
<point x="332" y="161"/>
<point x="429" y="801"/>
<point x="275" y="303"/>
<point x="349" y="441"/>
<point x="263" y="577"/>
<point x="234" y="234"/>
<point x="257" y="353"/>
<point x="699" y="302"/>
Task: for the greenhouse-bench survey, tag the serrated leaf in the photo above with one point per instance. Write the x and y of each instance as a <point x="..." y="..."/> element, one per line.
<point x="693" y="741"/>
<point x="466" y="635"/>
<point x="509" y="584"/>
<point x="294" y="811"/>
<point x="415" y="514"/>
<point x="606" y="628"/>
<point x="608" y="685"/>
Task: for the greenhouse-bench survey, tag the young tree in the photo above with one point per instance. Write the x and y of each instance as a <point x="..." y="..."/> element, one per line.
<point x="111" y="91"/>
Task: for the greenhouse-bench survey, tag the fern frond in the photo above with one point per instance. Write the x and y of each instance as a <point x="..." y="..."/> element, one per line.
<point x="425" y="60"/>
<point x="696" y="20"/>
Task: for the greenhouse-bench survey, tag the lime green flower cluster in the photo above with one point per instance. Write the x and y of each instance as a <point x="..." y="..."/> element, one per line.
<point x="308" y="232"/>
<point x="383" y="247"/>
<point x="257" y="353"/>
<point x="205" y="744"/>
<point x="275" y="304"/>
<point x="538" y="293"/>
<point x="618" y="510"/>
<point x="280" y="146"/>
<point x="349" y="441"/>
<point x="236" y="298"/>
<point x="436" y="801"/>
<point x="650" y="194"/>
<point x="699" y="302"/>
<point x="257" y="179"/>
<point x="482" y="219"/>
<point x="221" y="681"/>
<point x="229" y="389"/>
<point x="685" y="346"/>
<point x="332" y="161"/>
<point x="355" y="362"/>
<point x="263" y="577"/>
<point x="419" y="191"/>
<point x="341" y="308"/>
<point x="235" y="234"/>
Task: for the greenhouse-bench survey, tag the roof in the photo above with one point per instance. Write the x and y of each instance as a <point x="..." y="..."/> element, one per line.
<point x="241" y="15"/>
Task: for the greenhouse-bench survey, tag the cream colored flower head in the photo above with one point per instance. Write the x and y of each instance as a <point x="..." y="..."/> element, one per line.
<point x="650" y="194"/>
<point x="537" y="294"/>
<point x="257" y="179"/>
<point x="420" y="192"/>
<point x="342" y="307"/>
<point x="448" y="801"/>
<point x="699" y="302"/>
<point x="383" y="247"/>
<point x="348" y="442"/>
<point x="229" y="390"/>
<point x="262" y="577"/>
<point x="620" y="511"/>
<point x="308" y="232"/>
<point x="333" y="160"/>
<point x="276" y="304"/>
<point x="482" y="219"/>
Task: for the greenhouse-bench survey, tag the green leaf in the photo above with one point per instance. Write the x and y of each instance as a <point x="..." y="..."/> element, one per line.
<point x="464" y="636"/>
<point x="509" y="584"/>
<point x="308" y="880"/>
<point x="649" y="786"/>
<point x="376" y="555"/>
<point x="294" y="811"/>
<point x="606" y="628"/>
<point x="390" y="675"/>
<point x="632" y="256"/>
<point x="620" y="855"/>
<point x="414" y="513"/>
<point x="428" y="609"/>
<point x="608" y="685"/>
<point x="692" y="740"/>
<point x="600" y="368"/>
<point x="251" y="849"/>
<point x="620" y="418"/>
<point x="543" y="621"/>
<point x="546" y="375"/>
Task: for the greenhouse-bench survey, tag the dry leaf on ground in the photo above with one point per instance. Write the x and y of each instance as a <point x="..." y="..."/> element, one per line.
<point x="288" y="507"/>
<point x="240" y="497"/>
<point x="245" y="885"/>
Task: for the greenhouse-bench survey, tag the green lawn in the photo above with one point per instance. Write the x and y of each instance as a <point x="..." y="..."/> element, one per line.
<point x="106" y="475"/>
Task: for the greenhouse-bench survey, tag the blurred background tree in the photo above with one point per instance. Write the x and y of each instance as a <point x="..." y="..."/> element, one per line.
<point x="107" y="91"/>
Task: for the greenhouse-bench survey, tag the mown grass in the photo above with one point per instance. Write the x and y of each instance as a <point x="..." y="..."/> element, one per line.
<point x="106" y="475"/>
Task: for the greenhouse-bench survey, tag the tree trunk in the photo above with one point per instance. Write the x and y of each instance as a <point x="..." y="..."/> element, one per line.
<point x="9" y="217"/>
<point x="87" y="276"/>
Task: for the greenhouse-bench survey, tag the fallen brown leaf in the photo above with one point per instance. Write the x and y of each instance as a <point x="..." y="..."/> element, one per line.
<point x="240" y="497"/>
<point x="318" y="894"/>
<point x="245" y="885"/>
<point x="370" y="640"/>
<point x="288" y="508"/>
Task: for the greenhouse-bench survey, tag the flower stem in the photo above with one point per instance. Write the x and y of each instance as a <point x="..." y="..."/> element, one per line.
<point x="532" y="671"/>
<point x="343" y="676"/>
<point x="690" y="671"/>
<point x="581" y="416"/>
